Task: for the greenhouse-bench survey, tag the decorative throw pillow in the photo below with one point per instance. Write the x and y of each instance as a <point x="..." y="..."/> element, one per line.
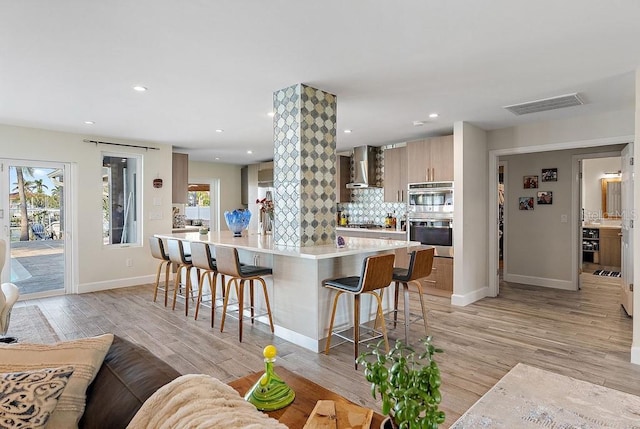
<point x="85" y="355"/>
<point x="28" y="398"/>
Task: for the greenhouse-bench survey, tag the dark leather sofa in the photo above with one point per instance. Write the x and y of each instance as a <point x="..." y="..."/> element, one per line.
<point x="128" y="376"/>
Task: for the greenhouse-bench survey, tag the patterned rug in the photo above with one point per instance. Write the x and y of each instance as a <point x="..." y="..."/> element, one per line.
<point x="532" y="398"/>
<point x="29" y="325"/>
<point x="606" y="273"/>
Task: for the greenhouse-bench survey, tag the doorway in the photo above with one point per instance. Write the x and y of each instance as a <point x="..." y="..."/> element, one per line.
<point x="34" y="220"/>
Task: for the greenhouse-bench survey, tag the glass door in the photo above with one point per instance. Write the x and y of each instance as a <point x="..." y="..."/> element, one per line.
<point x="32" y="216"/>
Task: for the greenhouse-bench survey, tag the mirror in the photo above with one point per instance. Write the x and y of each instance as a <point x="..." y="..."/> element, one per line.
<point x="611" y="198"/>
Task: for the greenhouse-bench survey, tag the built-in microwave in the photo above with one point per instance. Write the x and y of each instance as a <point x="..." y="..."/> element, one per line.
<point x="430" y="197"/>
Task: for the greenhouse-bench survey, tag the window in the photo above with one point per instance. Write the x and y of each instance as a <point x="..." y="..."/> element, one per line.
<point x="120" y="200"/>
<point x="198" y="204"/>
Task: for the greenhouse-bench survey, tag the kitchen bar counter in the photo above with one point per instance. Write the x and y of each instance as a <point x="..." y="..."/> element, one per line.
<point x="252" y="241"/>
<point x="300" y="305"/>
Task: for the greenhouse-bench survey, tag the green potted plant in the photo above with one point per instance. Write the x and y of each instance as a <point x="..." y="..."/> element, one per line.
<point x="408" y="383"/>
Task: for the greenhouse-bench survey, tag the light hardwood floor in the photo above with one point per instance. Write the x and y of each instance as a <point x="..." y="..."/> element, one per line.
<point x="582" y="334"/>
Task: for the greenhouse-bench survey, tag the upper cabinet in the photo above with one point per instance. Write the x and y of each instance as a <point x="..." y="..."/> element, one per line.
<point x="395" y="175"/>
<point x="180" y="174"/>
<point x="343" y="176"/>
<point x="430" y="160"/>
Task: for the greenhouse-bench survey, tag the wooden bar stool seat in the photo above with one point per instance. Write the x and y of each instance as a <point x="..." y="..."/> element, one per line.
<point x="229" y="265"/>
<point x="203" y="260"/>
<point x="377" y="272"/>
<point x="157" y="251"/>
<point x="181" y="260"/>
<point x="420" y="266"/>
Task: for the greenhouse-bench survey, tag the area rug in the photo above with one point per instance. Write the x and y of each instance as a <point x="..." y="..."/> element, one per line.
<point x="606" y="273"/>
<point x="29" y="325"/>
<point x="529" y="397"/>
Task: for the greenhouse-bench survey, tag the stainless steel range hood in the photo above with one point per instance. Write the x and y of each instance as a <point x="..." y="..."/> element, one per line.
<point x="364" y="161"/>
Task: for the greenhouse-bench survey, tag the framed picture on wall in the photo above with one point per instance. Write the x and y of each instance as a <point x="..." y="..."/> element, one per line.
<point x="549" y="174"/>
<point x="525" y="203"/>
<point x="530" y="182"/>
<point x="545" y="197"/>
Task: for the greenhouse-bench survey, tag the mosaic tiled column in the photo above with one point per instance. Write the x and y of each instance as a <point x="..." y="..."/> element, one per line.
<point x="304" y="163"/>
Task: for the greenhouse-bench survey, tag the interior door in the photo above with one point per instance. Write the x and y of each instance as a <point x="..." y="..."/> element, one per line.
<point x="33" y="224"/>
<point x="627" y="229"/>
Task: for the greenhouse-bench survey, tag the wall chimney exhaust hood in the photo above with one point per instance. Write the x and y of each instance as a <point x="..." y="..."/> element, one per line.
<point x="364" y="162"/>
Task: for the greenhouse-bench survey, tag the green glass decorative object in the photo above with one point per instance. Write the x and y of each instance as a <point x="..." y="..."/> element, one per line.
<point x="270" y="392"/>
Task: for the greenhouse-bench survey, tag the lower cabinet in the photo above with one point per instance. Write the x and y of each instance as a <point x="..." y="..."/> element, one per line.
<point x="440" y="282"/>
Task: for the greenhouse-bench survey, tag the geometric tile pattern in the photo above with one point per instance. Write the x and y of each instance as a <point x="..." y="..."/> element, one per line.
<point x="368" y="205"/>
<point x="304" y="130"/>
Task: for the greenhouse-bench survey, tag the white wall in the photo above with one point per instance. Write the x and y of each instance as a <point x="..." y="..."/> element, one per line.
<point x="99" y="267"/>
<point x="229" y="177"/>
<point x="470" y="222"/>
<point x="635" y="345"/>
<point x="589" y="129"/>
<point x="593" y="171"/>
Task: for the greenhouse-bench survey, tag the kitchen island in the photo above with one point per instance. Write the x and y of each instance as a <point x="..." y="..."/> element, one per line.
<point x="300" y="306"/>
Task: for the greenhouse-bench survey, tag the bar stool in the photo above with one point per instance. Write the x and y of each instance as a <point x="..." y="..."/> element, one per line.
<point x="204" y="261"/>
<point x="420" y="266"/>
<point x="158" y="252"/>
<point x="229" y="264"/>
<point x="180" y="260"/>
<point x="377" y="272"/>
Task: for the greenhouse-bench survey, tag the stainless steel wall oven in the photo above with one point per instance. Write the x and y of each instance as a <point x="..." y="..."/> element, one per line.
<point x="430" y="213"/>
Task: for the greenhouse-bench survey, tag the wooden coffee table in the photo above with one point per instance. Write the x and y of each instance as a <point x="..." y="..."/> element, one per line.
<point x="307" y="394"/>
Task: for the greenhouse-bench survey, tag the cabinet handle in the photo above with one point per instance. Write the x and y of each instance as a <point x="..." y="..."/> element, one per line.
<point x="427" y="175"/>
<point x="397" y="195"/>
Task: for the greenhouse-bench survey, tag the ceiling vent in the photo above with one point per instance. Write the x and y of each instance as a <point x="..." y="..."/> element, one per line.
<point x="545" y="104"/>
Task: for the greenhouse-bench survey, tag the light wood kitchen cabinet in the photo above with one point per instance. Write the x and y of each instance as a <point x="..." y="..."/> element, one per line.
<point x="430" y="160"/>
<point x="440" y="282"/>
<point x="395" y="175"/>
<point x="180" y="175"/>
<point x="610" y="250"/>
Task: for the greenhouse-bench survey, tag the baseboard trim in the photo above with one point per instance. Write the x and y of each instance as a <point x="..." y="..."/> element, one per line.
<point x="635" y="355"/>
<point x="296" y="338"/>
<point x="469" y="298"/>
<point x="116" y="284"/>
<point x="540" y="281"/>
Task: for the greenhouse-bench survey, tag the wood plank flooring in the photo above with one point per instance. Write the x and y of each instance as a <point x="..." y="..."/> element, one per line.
<point x="582" y="334"/>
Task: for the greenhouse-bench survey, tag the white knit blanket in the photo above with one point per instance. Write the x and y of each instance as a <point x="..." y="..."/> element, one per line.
<point x="199" y="401"/>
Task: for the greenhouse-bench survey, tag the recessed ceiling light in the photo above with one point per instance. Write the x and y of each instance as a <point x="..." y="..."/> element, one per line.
<point x="249" y="152"/>
<point x="348" y="131"/>
<point x="219" y="130"/>
<point x="418" y="123"/>
<point x="271" y="114"/>
<point x="433" y="115"/>
<point x="140" y="88"/>
<point x="89" y="122"/>
<point x="217" y="158"/>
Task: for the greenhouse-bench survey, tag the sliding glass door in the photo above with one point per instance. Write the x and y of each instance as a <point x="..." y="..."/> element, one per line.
<point x="34" y="226"/>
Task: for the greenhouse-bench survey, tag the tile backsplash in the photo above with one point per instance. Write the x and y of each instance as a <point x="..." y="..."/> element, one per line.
<point x="368" y="206"/>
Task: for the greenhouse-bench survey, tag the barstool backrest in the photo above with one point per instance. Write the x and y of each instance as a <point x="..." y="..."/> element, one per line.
<point x="377" y="272"/>
<point x="227" y="261"/>
<point x="157" y="248"/>
<point x="176" y="251"/>
<point x="201" y="256"/>
<point x="421" y="263"/>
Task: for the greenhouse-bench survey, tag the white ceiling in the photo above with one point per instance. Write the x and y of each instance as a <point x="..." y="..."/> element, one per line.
<point x="215" y="65"/>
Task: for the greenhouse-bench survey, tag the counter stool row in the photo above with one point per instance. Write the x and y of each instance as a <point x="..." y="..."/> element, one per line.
<point x="226" y="263"/>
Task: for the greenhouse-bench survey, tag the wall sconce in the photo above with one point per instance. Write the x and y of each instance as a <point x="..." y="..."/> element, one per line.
<point x="157" y="183"/>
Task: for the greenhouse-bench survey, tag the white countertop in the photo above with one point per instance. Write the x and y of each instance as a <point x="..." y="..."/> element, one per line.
<point x="611" y="225"/>
<point x="264" y="244"/>
<point x="373" y="230"/>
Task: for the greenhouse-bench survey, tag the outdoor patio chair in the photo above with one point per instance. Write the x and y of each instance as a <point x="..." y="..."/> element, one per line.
<point x="38" y="231"/>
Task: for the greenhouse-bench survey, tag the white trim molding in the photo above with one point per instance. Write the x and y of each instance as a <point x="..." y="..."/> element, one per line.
<point x="117" y="283"/>
<point x="469" y="298"/>
<point x="540" y="281"/>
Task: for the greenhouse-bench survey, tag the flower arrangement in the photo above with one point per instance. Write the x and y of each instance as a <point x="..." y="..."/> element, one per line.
<point x="266" y="206"/>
